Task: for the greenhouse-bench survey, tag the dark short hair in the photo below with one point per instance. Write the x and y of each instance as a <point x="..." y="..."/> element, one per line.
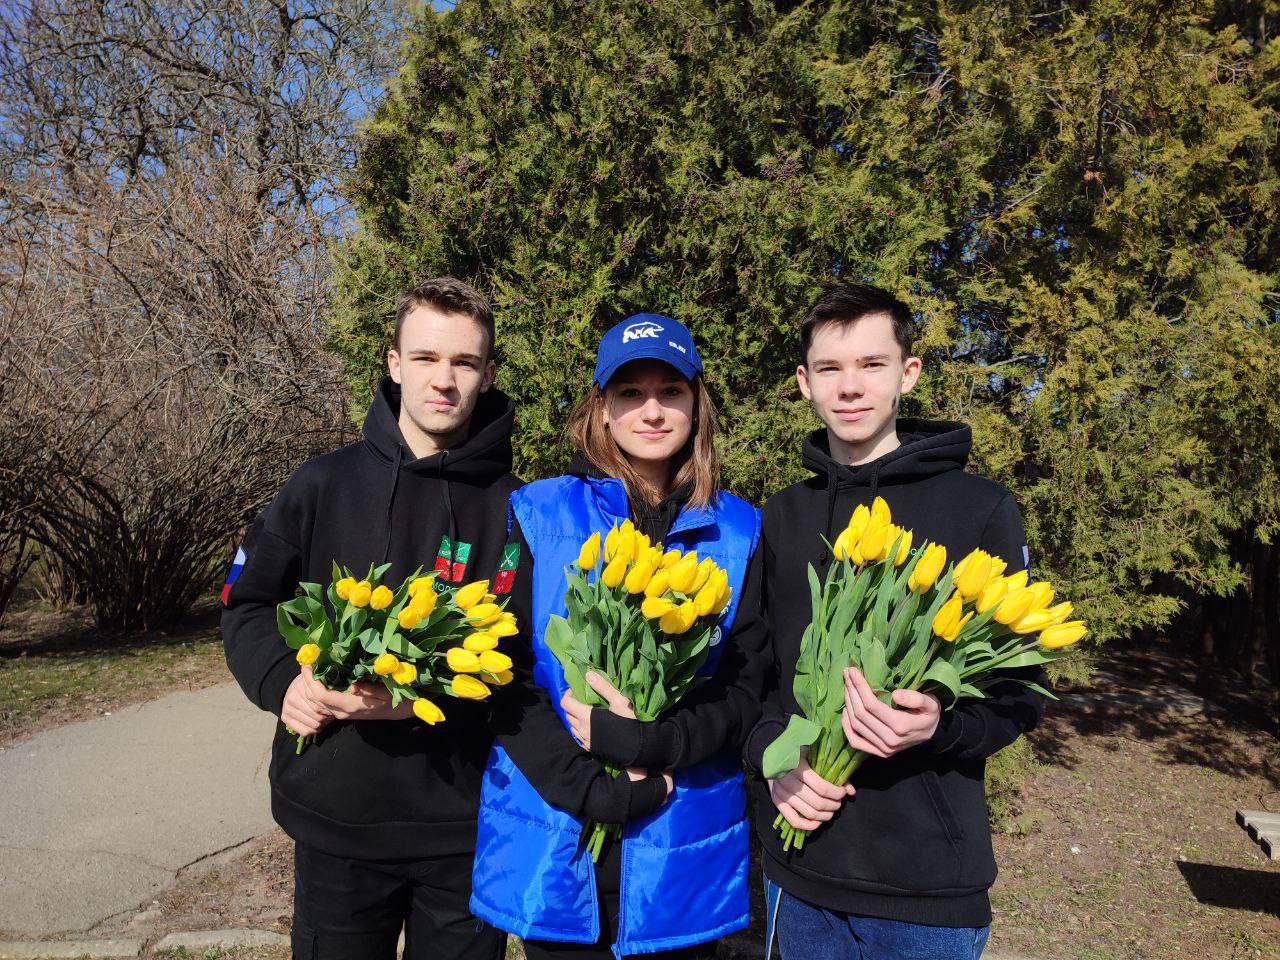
<point x="448" y="295"/>
<point x="847" y="303"/>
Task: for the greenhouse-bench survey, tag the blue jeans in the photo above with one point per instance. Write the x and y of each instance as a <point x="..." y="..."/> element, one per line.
<point x="806" y="932"/>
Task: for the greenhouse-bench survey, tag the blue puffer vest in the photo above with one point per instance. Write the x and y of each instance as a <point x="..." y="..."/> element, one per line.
<point x="684" y="867"/>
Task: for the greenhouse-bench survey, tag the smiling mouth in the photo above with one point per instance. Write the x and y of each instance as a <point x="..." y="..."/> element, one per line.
<point x="852" y="414"/>
<point x="652" y="434"/>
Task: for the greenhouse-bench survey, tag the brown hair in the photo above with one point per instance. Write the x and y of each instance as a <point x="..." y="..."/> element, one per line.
<point x="698" y="461"/>
<point x="847" y="303"/>
<point x="448" y="295"/>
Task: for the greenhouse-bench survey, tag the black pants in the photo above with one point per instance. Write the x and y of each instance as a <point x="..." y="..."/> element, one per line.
<point x="608" y="883"/>
<point x="354" y="909"/>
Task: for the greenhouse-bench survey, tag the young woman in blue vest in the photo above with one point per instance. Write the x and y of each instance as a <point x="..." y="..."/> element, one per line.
<point x="677" y="879"/>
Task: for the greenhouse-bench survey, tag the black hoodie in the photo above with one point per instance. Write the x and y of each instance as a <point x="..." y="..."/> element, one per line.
<point x="914" y="843"/>
<point x="375" y="789"/>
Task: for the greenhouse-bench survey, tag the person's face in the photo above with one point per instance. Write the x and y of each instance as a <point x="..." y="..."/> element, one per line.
<point x="649" y="410"/>
<point x="854" y="374"/>
<point x="442" y="365"/>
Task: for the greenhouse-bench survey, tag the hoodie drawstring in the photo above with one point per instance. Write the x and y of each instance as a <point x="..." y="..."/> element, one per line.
<point x="831" y="511"/>
<point x="391" y="500"/>
<point x="448" y="501"/>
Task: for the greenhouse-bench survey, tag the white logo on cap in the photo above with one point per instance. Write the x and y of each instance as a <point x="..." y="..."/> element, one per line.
<point x="644" y="329"/>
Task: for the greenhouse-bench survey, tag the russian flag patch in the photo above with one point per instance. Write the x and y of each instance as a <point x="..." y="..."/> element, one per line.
<point x="236" y="566"/>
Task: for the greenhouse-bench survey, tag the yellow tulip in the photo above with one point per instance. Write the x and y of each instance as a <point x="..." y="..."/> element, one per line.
<point x="1060" y="612"/>
<point x="1033" y="622"/>
<point x="928" y="566"/>
<point x="992" y="594"/>
<point x="380" y="599"/>
<point x="468" y="688"/>
<point x="611" y="542"/>
<point x="405" y="674"/>
<point x="502" y="678"/>
<point x="680" y="619"/>
<point x="422" y="584"/>
<point x="880" y="511"/>
<point x="705" y="570"/>
<point x="670" y="559"/>
<point x="658" y="584"/>
<point x="426" y="711"/>
<point x="654" y="607"/>
<point x="858" y="523"/>
<point x="343" y="587"/>
<point x="874" y="542"/>
<point x="840" y="549"/>
<point x="722" y="601"/>
<point x="1013" y="607"/>
<point x="642" y="544"/>
<point x="624" y="545"/>
<point x="706" y="598"/>
<point x="494" y="662"/>
<point x="1041" y="594"/>
<point x="1017" y="581"/>
<point x="483" y="614"/>
<point x="424" y="602"/>
<point x="615" y="571"/>
<point x="653" y="556"/>
<point x="409" y="617"/>
<point x="684" y="572"/>
<point x="948" y="623"/>
<point x="997" y="567"/>
<point x="1062" y="634"/>
<point x="386" y="664"/>
<point x="480" y="641"/>
<point x="589" y="555"/>
<point x="308" y="653"/>
<point x="471" y="595"/>
<point x="504" y="627"/>
<point x="904" y="549"/>
<point x="638" y="578"/>
<point x="462" y="660"/>
<point x="360" y="594"/>
<point x="972" y="574"/>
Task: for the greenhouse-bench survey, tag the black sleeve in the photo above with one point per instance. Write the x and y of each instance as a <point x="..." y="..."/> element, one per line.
<point x="259" y="659"/>
<point x="529" y="729"/>
<point x="715" y="715"/>
<point x="977" y="729"/>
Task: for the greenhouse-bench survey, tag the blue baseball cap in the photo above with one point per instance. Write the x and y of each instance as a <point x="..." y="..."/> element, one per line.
<point x="647" y="336"/>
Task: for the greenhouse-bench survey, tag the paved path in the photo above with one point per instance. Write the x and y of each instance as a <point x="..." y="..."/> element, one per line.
<point x="98" y="817"/>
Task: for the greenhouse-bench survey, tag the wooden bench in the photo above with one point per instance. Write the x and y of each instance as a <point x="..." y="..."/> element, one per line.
<point x="1263" y="827"/>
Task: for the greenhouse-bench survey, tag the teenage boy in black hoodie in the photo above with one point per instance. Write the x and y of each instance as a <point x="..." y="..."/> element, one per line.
<point x="382" y="808"/>
<point x="900" y="861"/>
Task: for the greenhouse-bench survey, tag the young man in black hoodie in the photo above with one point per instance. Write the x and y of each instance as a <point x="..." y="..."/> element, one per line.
<point x="382" y="808"/>
<point x="900" y="861"/>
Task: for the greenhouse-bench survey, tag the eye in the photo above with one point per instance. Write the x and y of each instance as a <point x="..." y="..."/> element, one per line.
<point x="673" y="391"/>
<point x="628" y="393"/>
<point x="466" y="363"/>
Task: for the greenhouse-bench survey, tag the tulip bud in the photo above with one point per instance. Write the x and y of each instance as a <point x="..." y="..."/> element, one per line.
<point x="670" y="559"/>
<point x="706" y="598"/>
<point x="386" y="664"/>
<point x="858" y="523"/>
<point x="505" y="626"/>
<point x="638" y="577"/>
<point x="308" y="653"/>
<point x="343" y="587"/>
<point x="705" y="569"/>
<point x="658" y="584"/>
<point x="840" y="549"/>
<point x="494" y="662"/>
<point x="880" y="511"/>
<point x="972" y="573"/>
<point x="1041" y="594"/>
<point x="422" y="585"/>
<point x="483" y="614"/>
<point x="684" y="572"/>
<point x="1033" y="622"/>
<point x="426" y="711"/>
<point x="461" y="660"/>
<point x="904" y="549"/>
<point x="611" y="543"/>
<point x="589" y="555"/>
<point x="502" y="678"/>
<point x="992" y="594"/>
<point x="405" y="674"/>
<point x="873" y="545"/>
<point x="480" y="641"/>
<point x="409" y="617"/>
<point x="1061" y="635"/>
<point x="380" y="599"/>
<point x="722" y="601"/>
<point x="360" y="594"/>
<point x="1013" y="607"/>
<point x="928" y="567"/>
<point x="948" y="623"/>
<point x="470" y="595"/>
<point x="1017" y="581"/>
<point x="654" y="607"/>
<point x="614" y="571"/>
<point x="1060" y="612"/>
<point x="468" y="688"/>
<point x="424" y="602"/>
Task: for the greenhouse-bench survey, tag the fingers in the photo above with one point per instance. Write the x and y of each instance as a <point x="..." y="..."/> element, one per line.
<point x="828" y="793"/>
<point x="856" y="740"/>
<point x="618" y="703"/>
<point x="299" y="717"/>
<point x="573" y="707"/>
<point x="893" y="721"/>
<point x="795" y="819"/>
<point x="669" y="781"/>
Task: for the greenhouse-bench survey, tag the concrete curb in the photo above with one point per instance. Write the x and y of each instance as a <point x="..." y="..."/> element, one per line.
<point x="42" y="949"/>
<point x="221" y="939"/>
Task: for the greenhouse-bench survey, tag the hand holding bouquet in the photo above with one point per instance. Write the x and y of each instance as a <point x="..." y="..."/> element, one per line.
<point x="413" y="640"/>
<point x="908" y="622"/>
<point x="643" y="618"/>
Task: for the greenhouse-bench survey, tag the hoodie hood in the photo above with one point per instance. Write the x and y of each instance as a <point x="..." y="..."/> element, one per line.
<point x="483" y="455"/>
<point x="926" y="448"/>
<point x="481" y="458"/>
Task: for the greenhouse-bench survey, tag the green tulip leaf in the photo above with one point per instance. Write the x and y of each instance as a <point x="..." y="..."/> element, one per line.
<point x="783" y="755"/>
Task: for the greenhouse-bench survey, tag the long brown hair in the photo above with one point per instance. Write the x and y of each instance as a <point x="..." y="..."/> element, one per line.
<point x="697" y="462"/>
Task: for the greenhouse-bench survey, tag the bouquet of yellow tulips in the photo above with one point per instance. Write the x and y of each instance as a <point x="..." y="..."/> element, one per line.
<point x="642" y="617"/>
<point x="908" y="621"/>
<point x="415" y="640"/>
